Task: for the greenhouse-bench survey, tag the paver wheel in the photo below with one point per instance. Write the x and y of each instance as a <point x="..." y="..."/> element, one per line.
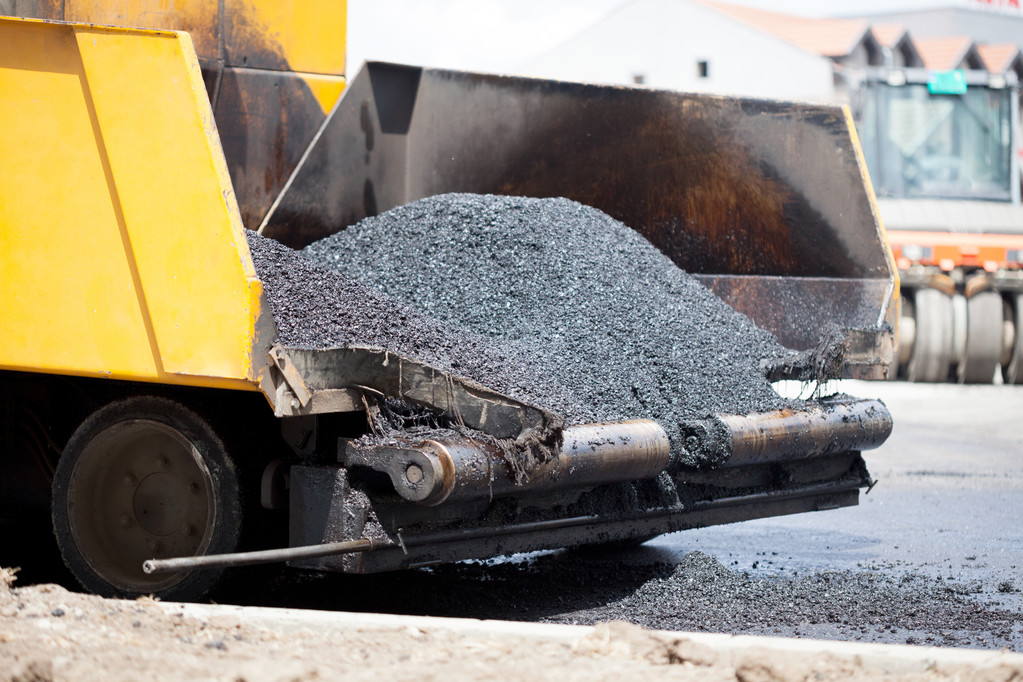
<point x="142" y="478"/>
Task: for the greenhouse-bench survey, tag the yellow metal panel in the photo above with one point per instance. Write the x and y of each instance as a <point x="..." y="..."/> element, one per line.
<point x="69" y="300"/>
<point x="300" y="35"/>
<point x="326" y="89"/>
<point x="201" y="18"/>
<point x="123" y="248"/>
<point x="891" y="311"/>
<point x="186" y="233"/>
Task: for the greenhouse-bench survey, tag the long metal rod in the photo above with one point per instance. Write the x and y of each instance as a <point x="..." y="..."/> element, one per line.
<point x="371" y="544"/>
<point x="267" y="556"/>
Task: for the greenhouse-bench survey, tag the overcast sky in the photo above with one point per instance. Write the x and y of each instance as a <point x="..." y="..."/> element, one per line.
<point x="500" y="35"/>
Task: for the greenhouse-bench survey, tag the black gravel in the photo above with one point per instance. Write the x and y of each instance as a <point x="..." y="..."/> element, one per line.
<point x="623" y="331"/>
<point x="696" y="594"/>
<point x="317" y="308"/>
<point x="702" y="594"/>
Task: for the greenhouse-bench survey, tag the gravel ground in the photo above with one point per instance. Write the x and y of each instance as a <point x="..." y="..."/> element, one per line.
<point x="649" y="587"/>
<point x="701" y="594"/>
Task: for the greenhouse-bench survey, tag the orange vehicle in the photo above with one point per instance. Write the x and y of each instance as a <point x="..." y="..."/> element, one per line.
<point x="943" y="153"/>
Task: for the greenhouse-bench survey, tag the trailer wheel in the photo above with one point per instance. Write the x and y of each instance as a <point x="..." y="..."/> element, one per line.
<point x="142" y="478"/>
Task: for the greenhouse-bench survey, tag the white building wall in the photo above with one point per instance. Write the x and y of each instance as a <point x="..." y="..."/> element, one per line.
<point x="663" y="41"/>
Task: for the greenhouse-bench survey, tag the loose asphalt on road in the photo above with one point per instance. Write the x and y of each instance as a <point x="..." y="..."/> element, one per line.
<point x="932" y="555"/>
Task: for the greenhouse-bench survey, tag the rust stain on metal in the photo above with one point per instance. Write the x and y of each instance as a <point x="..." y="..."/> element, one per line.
<point x="266" y="120"/>
<point x="683" y="177"/>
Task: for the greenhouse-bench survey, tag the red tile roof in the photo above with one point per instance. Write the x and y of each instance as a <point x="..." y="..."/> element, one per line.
<point x="888" y="35"/>
<point x="999" y="58"/>
<point x="943" y="53"/>
<point x="839" y="37"/>
<point x="827" y="37"/>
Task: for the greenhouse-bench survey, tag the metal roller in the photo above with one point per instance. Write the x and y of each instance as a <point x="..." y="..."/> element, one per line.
<point x="828" y="428"/>
<point x="458" y="468"/>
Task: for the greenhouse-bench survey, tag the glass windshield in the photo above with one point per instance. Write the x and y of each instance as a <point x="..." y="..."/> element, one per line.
<point x="919" y="144"/>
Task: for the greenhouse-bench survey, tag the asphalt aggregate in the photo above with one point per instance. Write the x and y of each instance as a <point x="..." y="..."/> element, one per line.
<point x="315" y="307"/>
<point x="696" y="592"/>
<point x="613" y="322"/>
<point x="701" y="594"/>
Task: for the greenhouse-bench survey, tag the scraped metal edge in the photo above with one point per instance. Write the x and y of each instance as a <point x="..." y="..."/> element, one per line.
<point x="392" y="374"/>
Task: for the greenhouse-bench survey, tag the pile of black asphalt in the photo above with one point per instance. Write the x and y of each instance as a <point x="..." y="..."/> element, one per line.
<point x="315" y="307"/>
<point x="547" y="300"/>
<point x="701" y="594"/>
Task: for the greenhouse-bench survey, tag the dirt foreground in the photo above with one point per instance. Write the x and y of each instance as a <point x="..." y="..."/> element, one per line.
<point x="48" y="633"/>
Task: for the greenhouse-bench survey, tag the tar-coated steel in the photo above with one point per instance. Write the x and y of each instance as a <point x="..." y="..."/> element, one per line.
<point x="833" y="426"/>
<point x="453" y="468"/>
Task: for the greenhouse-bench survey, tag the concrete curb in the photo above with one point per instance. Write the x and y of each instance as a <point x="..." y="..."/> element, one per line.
<point x="881" y="658"/>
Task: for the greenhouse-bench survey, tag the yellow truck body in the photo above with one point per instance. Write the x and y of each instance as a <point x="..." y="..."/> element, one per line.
<point x="123" y="247"/>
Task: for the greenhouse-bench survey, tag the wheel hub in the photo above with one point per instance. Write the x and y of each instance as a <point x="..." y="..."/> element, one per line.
<point x="140" y="490"/>
<point x="161" y="504"/>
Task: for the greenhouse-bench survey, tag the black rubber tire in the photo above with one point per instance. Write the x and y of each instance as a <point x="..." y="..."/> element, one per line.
<point x="907" y="336"/>
<point x="1013" y="371"/>
<point x="933" y="346"/>
<point x="141" y="477"/>
<point x="983" y="339"/>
